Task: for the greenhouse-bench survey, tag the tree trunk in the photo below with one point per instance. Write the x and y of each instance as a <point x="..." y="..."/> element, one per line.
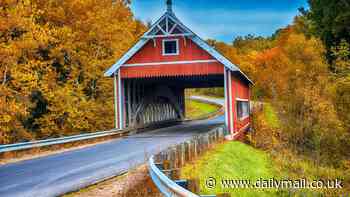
<point x="5" y="77"/>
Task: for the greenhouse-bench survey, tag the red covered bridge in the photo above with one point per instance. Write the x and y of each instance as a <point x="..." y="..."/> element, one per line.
<point x="150" y="79"/>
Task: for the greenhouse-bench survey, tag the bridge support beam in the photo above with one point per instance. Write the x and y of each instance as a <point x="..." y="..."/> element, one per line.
<point x="118" y="102"/>
<point x="229" y="103"/>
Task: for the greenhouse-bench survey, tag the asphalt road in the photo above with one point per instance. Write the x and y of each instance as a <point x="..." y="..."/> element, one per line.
<point x="60" y="173"/>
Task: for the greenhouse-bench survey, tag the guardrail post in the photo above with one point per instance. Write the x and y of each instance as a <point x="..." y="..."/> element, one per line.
<point x="171" y="157"/>
<point x="221" y="134"/>
<point x="195" y="147"/>
<point x="218" y="136"/>
<point x="214" y="137"/>
<point x="161" y="156"/>
<point x="183" y="151"/>
<point x="177" y="156"/>
<point x="167" y="162"/>
<point x="200" y="146"/>
<point x="188" y="151"/>
<point x="205" y="143"/>
<point x="210" y="139"/>
<point x="157" y="158"/>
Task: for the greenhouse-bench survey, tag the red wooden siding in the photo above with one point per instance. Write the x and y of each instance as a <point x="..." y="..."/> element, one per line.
<point x="239" y="90"/>
<point x="150" y="53"/>
<point x="242" y="89"/>
<point x="172" y="70"/>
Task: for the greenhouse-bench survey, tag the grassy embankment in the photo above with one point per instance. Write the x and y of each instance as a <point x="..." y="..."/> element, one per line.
<point x="231" y="160"/>
<point x="236" y="160"/>
<point x="271" y="116"/>
<point x="196" y="109"/>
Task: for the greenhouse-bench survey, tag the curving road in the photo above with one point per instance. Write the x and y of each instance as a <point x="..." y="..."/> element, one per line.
<point x="60" y="173"/>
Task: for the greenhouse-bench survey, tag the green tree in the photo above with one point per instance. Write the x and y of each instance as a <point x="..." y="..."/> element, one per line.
<point x="331" y="21"/>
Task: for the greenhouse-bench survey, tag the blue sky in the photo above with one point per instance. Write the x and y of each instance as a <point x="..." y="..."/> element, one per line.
<point x="224" y="19"/>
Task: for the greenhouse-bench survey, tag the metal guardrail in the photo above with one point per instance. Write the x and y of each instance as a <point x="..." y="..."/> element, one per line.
<point x="68" y="139"/>
<point x="166" y="186"/>
<point x="208" y="100"/>
<point x="172" y="159"/>
<point x="55" y="141"/>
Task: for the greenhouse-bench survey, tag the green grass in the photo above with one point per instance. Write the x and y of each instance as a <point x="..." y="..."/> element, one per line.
<point x="232" y="160"/>
<point x="271" y="116"/>
<point x="196" y="109"/>
<point x="236" y="160"/>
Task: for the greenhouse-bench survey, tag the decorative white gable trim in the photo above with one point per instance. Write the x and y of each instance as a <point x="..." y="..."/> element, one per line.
<point x="168" y="25"/>
<point x="171" y="24"/>
<point x="126" y="57"/>
<point x="228" y="64"/>
<point x="165" y="26"/>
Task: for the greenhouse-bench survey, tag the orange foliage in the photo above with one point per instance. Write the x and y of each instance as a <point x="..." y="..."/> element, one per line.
<point x="52" y="58"/>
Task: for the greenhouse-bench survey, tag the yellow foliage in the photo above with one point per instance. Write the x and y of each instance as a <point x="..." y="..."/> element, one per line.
<point x="52" y="58"/>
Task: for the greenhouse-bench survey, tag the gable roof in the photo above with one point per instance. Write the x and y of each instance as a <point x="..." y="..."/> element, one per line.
<point x="170" y="25"/>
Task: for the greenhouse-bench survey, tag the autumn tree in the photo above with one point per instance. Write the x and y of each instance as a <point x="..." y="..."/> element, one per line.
<point x="53" y="56"/>
<point x="330" y="22"/>
<point x="290" y="70"/>
<point x="341" y="55"/>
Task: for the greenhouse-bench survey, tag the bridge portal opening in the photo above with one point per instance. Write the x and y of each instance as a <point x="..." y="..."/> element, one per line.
<point x="154" y="100"/>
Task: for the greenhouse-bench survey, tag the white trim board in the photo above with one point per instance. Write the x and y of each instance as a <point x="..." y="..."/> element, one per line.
<point x="240" y="99"/>
<point x="166" y="36"/>
<point x="116" y="101"/>
<point x="171" y="63"/>
<point x="121" y="103"/>
<point x="232" y="106"/>
<point x="170" y="40"/>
